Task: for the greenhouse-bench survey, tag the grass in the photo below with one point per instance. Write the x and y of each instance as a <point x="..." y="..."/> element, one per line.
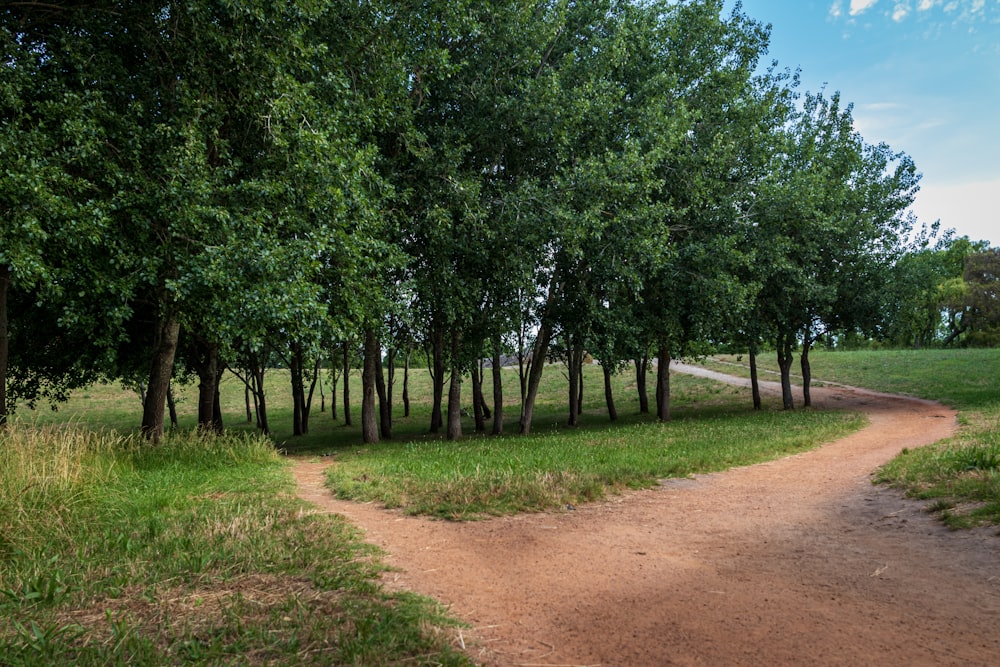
<point x="113" y="552"/>
<point x="961" y="475"/>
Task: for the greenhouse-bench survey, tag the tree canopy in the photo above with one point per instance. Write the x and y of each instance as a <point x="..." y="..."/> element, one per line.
<point x="192" y="185"/>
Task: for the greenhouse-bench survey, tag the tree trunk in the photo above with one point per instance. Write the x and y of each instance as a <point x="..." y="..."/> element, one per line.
<point x="536" y="365"/>
<point x="406" y="383"/>
<point x="663" y="382"/>
<point x="384" y="408"/>
<point x="785" y="366"/>
<point x="260" y="399"/>
<point x="455" y="390"/>
<point x="497" y="391"/>
<point x="334" y="376"/>
<point x="246" y="399"/>
<point x="217" y="402"/>
<point x="298" y="390"/>
<point x="207" y="367"/>
<point x="168" y="330"/>
<point x="478" y="401"/>
<point x="574" y="367"/>
<point x="347" y="383"/>
<point x="369" y="424"/>
<point x="754" y="382"/>
<point x="308" y="397"/>
<point x="609" y="397"/>
<point x="806" y="371"/>
<point x="641" y="365"/>
<point x="171" y="406"/>
<point x="437" y="378"/>
<point x="4" y="342"/>
<point x="390" y="382"/>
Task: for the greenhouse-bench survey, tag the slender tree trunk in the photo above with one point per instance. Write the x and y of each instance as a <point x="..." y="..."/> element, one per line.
<point x="455" y="390"/>
<point x="308" y="397"/>
<point x="390" y="380"/>
<point x="334" y="376"/>
<point x="497" y="390"/>
<point x="478" y="401"/>
<point x="384" y="408"/>
<point x="537" y="365"/>
<point x="369" y="424"/>
<point x="246" y="399"/>
<point x="806" y="371"/>
<point x="785" y="366"/>
<point x="437" y="378"/>
<point x="4" y="341"/>
<point x="406" y="382"/>
<point x="207" y="366"/>
<point x="641" y="366"/>
<point x="260" y="398"/>
<point x="574" y="368"/>
<point x="322" y="394"/>
<point x="171" y="406"/>
<point x="663" y="382"/>
<point x="609" y="396"/>
<point x="347" y="383"/>
<point x="168" y="330"/>
<point x="217" y="424"/>
<point x="298" y="390"/>
<point x="754" y="382"/>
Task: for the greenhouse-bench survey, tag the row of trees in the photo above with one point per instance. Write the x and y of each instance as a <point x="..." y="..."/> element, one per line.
<point x="192" y="185"/>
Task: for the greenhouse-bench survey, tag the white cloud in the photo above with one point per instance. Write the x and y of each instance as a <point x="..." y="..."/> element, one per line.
<point x="836" y="9"/>
<point x="860" y="6"/>
<point x="900" y="12"/>
<point x="924" y="5"/>
<point x="969" y="208"/>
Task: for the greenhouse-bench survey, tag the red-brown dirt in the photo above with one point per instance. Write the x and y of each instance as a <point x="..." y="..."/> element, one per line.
<point x="797" y="561"/>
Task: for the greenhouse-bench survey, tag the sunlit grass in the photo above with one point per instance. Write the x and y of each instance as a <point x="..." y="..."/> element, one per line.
<point x="959" y="474"/>
<point x="195" y="551"/>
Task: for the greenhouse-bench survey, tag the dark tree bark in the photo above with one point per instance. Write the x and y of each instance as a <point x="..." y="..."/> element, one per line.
<point x="437" y="378"/>
<point x="207" y="367"/>
<point x="372" y="355"/>
<point x="246" y="399"/>
<point x="663" y="382"/>
<point x="384" y="407"/>
<point x="165" y="339"/>
<point x="497" y="390"/>
<point x="171" y="406"/>
<point x="299" y="424"/>
<point x="347" y="383"/>
<point x="455" y="390"/>
<point x="609" y="397"/>
<point x="754" y="382"/>
<point x="390" y="380"/>
<point x="217" y="424"/>
<point x="641" y="366"/>
<point x="574" y="366"/>
<point x="806" y="371"/>
<point x="478" y="401"/>
<point x="260" y="399"/>
<point x="535" y="368"/>
<point x="785" y="343"/>
<point x="4" y="341"/>
<point x="406" y="383"/>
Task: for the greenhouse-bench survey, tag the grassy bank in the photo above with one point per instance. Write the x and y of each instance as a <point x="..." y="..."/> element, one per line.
<point x="113" y="552"/>
<point x="961" y="475"/>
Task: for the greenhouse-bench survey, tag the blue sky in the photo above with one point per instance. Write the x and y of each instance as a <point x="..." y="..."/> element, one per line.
<point x="924" y="77"/>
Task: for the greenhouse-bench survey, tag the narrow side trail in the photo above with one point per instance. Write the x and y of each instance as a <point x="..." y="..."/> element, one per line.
<point x="797" y="561"/>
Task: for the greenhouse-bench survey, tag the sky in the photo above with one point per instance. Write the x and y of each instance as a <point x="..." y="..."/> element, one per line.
<point x="924" y="77"/>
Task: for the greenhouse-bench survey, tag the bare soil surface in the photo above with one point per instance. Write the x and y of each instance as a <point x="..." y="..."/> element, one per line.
<point x="797" y="561"/>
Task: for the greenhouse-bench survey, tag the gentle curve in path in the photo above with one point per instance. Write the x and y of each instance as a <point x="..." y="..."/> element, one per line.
<point x="796" y="561"/>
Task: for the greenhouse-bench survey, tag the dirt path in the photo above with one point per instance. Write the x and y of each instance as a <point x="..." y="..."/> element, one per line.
<point x="798" y="561"/>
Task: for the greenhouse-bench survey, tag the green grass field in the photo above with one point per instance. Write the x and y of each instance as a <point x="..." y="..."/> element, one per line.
<point x="196" y="551"/>
<point x="961" y="476"/>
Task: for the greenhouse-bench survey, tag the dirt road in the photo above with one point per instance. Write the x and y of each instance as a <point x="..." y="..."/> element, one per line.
<point x="798" y="561"/>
